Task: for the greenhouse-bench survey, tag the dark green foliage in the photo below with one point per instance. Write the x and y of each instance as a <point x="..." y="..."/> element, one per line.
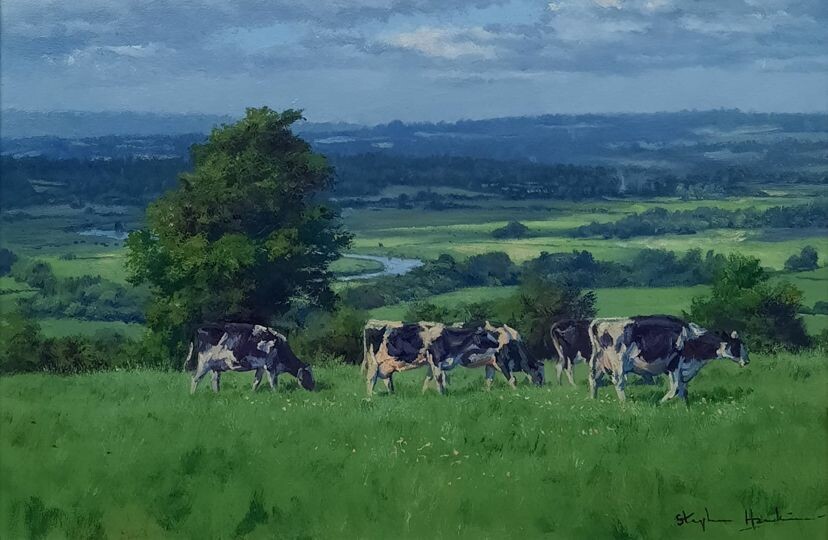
<point x="659" y="221"/>
<point x="244" y="234"/>
<point x="115" y="181"/>
<point x="649" y="268"/>
<point x="85" y="297"/>
<point x="23" y="348"/>
<point x="808" y="259"/>
<point x="544" y="300"/>
<point x="662" y="268"/>
<point x="7" y="259"/>
<point x="742" y="299"/>
<point x="513" y="229"/>
<point x="35" y="274"/>
<point x="336" y="334"/>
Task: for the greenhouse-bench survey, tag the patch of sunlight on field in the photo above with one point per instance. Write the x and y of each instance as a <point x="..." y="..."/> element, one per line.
<point x="624" y="302"/>
<point x="348" y="267"/>
<point x="109" y="266"/>
<point x="815" y="323"/>
<point x="813" y="284"/>
<point x="131" y="454"/>
<point x="54" y="327"/>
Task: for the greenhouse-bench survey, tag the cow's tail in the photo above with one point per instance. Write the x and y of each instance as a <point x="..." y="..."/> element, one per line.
<point x="189" y="365"/>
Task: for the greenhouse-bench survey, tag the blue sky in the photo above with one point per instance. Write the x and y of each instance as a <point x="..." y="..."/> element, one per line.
<point x="377" y="60"/>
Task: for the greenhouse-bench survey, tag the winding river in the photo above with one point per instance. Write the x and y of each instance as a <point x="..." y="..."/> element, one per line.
<point x="393" y="266"/>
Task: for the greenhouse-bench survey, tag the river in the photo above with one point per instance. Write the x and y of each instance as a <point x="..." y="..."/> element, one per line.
<point x="393" y="266"/>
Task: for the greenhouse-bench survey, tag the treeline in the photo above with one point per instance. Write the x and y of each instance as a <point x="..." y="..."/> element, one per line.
<point x="84" y="297"/>
<point x="659" y="221"/>
<point x="367" y="174"/>
<point x="24" y="348"/>
<point x="649" y="268"/>
<point x="137" y="180"/>
<point x="38" y="180"/>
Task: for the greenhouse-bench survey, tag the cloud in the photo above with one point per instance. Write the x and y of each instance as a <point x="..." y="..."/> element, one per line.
<point x="448" y="43"/>
<point x="101" y="46"/>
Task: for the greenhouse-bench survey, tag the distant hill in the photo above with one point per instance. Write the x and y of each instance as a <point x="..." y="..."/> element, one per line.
<point x="676" y="141"/>
<point x="77" y="125"/>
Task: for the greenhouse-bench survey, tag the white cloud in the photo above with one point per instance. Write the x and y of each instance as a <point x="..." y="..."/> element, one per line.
<point x="450" y="43"/>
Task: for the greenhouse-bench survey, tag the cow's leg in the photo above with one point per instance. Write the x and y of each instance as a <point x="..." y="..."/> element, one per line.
<point x="389" y="383"/>
<point x="559" y="368"/>
<point x="620" y="381"/>
<point x="673" y="378"/>
<point x="428" y="378"/>
<point x="201" y="371"/>
<point x="439" y="375"/>
<point x="568" y="374"/>
<point x="272" y="378"/>
<point x="216" y="381"/>
<point x="490" y="375"/>
<point x="595" y="376"/>
<point x="257" y="378"/>
<point x="504" y="369"/>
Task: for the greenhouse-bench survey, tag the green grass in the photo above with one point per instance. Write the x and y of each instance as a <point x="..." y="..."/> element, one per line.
<point x="646" y="301"/>
<point x="132" y="455"/>
<point x="816" y="323"/>
<point x="348" y="267"/>
<point x="463" y="232"/>
<point x="813" y="284"/>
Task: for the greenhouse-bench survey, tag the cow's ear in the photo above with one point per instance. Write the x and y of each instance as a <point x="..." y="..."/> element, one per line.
<point x="734" y="334"/>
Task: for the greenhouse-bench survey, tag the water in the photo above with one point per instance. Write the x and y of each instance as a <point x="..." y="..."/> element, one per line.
<point x="106" y="233"/>
<point x="393" y="266"/>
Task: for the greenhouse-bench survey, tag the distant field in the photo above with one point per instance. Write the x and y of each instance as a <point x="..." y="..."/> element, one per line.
<point x="132" y="455"/>
<point x="464" y="232"/>
<point x="613" y="302"/>
<point x="48" y="234"/>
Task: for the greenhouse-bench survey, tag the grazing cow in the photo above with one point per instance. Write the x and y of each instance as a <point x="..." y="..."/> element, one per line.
<point x="654" y="345"/>
<point x="572" y="343"/>
<point x="245" y="347"/>
<point x="391" y="347"/>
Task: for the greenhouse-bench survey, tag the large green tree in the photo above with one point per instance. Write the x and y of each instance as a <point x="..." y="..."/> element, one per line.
<point x="244" y="235"/>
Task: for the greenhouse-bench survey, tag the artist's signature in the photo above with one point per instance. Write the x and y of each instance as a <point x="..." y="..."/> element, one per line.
<point x="749" y="522"/>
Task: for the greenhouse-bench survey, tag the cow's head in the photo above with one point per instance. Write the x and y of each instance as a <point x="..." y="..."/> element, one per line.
<point x="296" y="367"/>
<point x="733" y="347"/>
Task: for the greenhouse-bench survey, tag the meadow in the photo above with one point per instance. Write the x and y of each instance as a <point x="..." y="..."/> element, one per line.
<point x="51" y="233"/>
<point x="131" y="454"/>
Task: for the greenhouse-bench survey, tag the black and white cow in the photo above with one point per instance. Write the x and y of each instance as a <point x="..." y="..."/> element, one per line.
<point x="571" y="340"/>
<point x="393" y="346"/>
<point x="245" y="347"/>
<point x="654" y="345"/>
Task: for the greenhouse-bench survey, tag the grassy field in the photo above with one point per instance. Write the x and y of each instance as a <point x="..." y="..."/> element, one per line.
<point x="50" y="233"/>
<point x="132" y="455"/>
<point x="464" y="232"/>
<point x="610" y="302"/>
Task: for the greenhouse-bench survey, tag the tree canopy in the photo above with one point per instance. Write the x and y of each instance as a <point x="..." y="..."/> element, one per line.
<point x="245" y="233"/>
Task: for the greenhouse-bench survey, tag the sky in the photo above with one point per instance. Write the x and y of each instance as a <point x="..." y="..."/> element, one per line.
<point x="373" y="61"/>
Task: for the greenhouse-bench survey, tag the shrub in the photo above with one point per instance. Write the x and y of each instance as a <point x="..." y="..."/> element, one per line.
<point x="7" y="259"/>
<point x="808" y="259"/>
<point x="24" y="349"/>
<point x="742" y="299"/>
<point x="513" y="229"/>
